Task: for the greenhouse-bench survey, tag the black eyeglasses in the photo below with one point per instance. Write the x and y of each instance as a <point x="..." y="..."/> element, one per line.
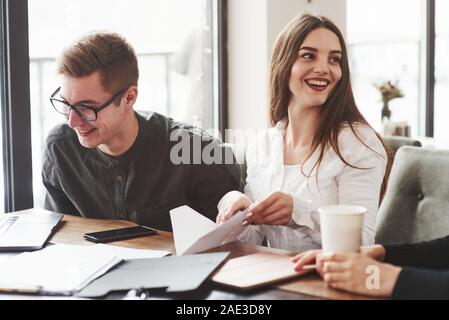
<point x="84" y="112"/>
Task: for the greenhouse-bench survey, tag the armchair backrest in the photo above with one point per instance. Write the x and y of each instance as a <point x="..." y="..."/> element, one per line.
<point x="396" y="142"/>
<point x="416" y="204"/>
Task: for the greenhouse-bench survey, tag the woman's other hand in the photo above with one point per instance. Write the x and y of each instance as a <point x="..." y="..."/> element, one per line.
<point x="305" y="258"/>
<point x="231" y="202"/>
<point x="358" y="273"/>
<point x="274" y="209"/>
<point x="376" y="252"/>
<point x="311" y="257"/>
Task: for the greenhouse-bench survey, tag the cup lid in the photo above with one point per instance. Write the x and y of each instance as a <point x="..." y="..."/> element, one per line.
<point x="341" y="209"/>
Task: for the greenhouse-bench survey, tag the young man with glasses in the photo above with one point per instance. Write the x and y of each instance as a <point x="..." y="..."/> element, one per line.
<point x="110" y="162"/>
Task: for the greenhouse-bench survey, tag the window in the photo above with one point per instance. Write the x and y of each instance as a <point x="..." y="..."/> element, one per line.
<point x="385" y="40"/>
<point x="441" y="70"/>
<point x="175" y="41"/>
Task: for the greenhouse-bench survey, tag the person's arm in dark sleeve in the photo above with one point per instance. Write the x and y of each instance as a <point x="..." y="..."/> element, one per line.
<point x="416" y="280"/>
<point x="421" y="284"/>
<point x="427" y="254"/>
<point x="210" y="182"/>
<point x="56" y="199"/>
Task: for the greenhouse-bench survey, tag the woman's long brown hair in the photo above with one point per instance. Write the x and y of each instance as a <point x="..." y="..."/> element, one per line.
<point x="339" y="109"/>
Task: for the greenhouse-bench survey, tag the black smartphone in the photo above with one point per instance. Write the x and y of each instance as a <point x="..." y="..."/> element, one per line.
<point x="120" y="234"/>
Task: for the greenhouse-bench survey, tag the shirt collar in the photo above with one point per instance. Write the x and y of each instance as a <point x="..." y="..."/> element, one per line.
<point x="131" y="153"/>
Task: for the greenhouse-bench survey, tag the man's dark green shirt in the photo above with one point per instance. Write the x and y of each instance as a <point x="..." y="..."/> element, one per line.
<point x="141" y="185"/>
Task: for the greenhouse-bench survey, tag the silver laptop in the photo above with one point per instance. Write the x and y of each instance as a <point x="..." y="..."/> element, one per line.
<point x="27" y="230"/>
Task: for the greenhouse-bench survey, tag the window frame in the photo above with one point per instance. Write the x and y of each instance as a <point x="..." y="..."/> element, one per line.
<point x="222" y="66"/>
<point x="15" y="104"/>
<point x="430" y="68"/>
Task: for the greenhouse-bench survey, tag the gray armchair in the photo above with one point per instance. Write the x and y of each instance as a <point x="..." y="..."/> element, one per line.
<point x="396" y="142"/>
<point x="416" y="204"/>
<point x="393" y="143"/>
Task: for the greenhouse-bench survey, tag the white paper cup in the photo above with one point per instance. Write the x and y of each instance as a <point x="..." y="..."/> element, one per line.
<point x="341" y="227"/>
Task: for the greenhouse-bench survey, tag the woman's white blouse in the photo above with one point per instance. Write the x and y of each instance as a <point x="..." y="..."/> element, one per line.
<point x="337" y="183"/>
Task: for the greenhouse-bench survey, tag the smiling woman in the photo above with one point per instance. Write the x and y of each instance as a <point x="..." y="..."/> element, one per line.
<point x="320" y="151"/>
<point x="317" y="68"/>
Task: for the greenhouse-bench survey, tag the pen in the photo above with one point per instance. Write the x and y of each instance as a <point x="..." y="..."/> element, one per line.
<point x="32" y="289"/>
<point x="308" y="267"/>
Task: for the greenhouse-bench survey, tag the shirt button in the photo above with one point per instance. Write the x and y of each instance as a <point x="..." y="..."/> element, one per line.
<point x="122" y="215"/>
<point x="119" y="178"/>
<point x="420" y="196"/>
<point x="116" y="162"/>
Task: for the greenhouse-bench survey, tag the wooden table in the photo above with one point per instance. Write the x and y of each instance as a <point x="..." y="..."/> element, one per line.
<point x="72" y="228"/>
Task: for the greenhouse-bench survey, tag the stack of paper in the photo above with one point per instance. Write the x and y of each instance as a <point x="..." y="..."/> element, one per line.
<point x="129" y="253"/>
<point x="63" y="269"/>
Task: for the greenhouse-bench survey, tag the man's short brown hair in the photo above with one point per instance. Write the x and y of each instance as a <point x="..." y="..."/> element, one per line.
<point x="106" y="52"/>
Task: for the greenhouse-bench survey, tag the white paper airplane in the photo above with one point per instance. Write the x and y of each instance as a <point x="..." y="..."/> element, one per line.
<point x="195" y="233"/>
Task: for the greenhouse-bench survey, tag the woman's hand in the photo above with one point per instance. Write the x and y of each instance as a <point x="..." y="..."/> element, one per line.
<point x="376" y="252"/>
<point x="358" y="273"/>
<point x="275" y="209"/>
<point x="231" y="202"/>
<point x="305" y="258"/>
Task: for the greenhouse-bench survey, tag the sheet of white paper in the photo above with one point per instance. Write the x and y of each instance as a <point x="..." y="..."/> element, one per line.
<point x="194" y="232"/>
<point x="60" y="268"/>
<point x="7" y="255"/>
<point x="128" y="253"/>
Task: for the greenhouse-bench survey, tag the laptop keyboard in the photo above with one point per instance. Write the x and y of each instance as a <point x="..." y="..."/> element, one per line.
<point x="6" y="223"/>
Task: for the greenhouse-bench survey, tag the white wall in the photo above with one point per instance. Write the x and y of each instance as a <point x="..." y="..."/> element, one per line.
<point x="247" y="61"/>
<point x="253" y="26"/>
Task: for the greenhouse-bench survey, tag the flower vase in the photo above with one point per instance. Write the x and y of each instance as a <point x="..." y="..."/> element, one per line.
<point x="386" y="112"/>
